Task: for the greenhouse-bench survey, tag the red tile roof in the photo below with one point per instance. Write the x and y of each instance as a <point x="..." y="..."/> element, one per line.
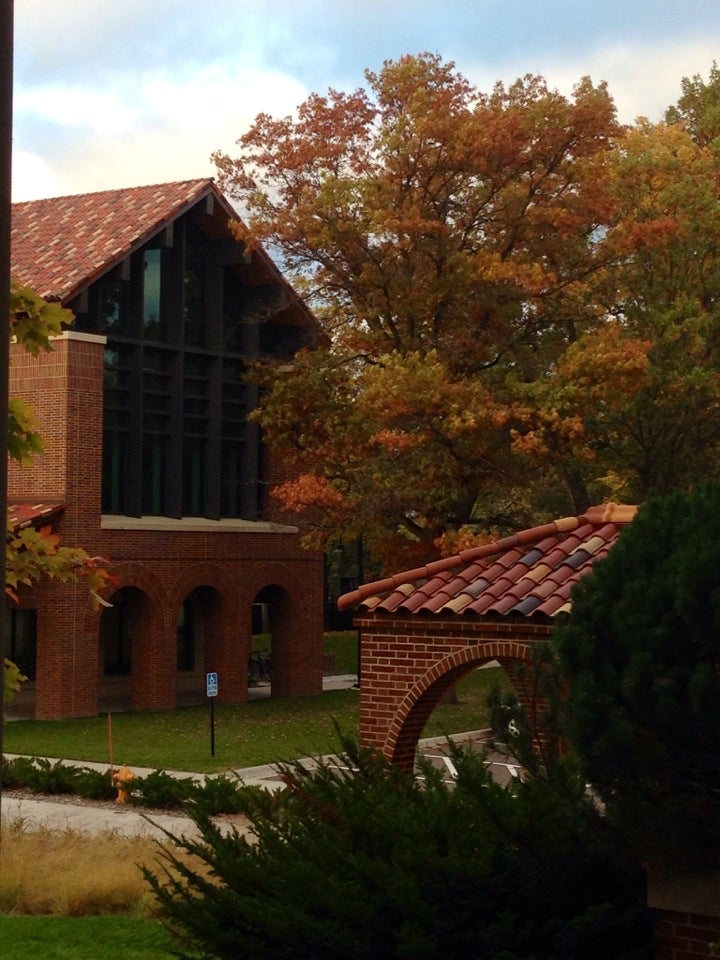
<point x="60" y="245"/>
<point x="528" y="574"/>
<point x="32" y="514"/>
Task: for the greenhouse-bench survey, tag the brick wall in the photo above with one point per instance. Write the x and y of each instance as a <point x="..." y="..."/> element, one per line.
<point x="409" y="665"/>
<point x="686" y="936"/>
<point x="163" y="566"/>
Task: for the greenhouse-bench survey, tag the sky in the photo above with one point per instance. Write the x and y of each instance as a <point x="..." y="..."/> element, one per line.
<point x="119" y="93"/>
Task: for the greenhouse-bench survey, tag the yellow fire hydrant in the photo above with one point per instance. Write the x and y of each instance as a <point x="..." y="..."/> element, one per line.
<point x="121" y="781"/>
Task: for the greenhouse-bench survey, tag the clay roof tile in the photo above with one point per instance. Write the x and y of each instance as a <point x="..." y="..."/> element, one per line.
<point x="529" y="574"/>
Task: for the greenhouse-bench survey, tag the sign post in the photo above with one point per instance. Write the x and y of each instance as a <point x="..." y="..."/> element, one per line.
<point x="212" y="692"/>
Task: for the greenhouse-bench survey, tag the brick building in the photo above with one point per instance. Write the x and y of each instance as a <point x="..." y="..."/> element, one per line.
<point x="150" y="459"/>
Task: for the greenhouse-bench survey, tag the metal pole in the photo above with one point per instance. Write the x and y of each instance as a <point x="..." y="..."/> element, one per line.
<point x="6" y="87"/>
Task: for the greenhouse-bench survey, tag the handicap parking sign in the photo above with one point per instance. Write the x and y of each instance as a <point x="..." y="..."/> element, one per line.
<point x="212" y="684"/>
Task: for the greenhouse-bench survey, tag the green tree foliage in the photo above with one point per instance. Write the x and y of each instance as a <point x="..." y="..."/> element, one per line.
<point x="640" y="655"/>
<point x="698" y="109"/>
<point x="376" y="864"/>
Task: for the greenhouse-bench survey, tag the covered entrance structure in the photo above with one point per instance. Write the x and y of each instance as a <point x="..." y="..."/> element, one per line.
<point x="425" y="629"/>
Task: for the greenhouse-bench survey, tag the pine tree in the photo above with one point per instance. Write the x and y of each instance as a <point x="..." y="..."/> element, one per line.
<point x="640" y="654"/>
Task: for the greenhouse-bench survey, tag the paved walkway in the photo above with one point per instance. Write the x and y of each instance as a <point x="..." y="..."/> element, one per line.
<point x="64" y="813"/>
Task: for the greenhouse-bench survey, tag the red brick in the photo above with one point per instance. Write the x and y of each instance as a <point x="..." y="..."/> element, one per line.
<point x="65" y="391"/>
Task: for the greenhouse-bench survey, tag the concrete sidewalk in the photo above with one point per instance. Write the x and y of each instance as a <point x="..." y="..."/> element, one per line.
<point x="66" y="813"/>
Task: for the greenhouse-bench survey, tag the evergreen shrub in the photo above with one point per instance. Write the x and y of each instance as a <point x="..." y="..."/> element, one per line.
<point x="361" y="860"/>
<point x="640" y="657"/>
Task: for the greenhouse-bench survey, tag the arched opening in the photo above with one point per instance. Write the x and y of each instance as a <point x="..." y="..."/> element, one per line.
<point x="272" y="654"/>
<point x="197" y="628"/>
<point x="124" y="626"/>
<point x="432" y="689"/>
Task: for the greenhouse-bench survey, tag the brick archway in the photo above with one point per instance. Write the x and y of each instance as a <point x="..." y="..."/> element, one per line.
<point x="409" y="664"/>
<point x="493" y="601"/>
<point x="150" y="685"/>
<point x="223" y="644"/>
<point x="428" y="691"/>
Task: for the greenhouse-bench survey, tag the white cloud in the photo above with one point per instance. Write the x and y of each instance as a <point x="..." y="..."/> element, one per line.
<point x="643" y="80"/>
<point x="32" y="177"/>
<point x="218" y="98"/>
<point x="114" y="94"/>
<point x="102" y="111"/>
<point x="161" y="130"/>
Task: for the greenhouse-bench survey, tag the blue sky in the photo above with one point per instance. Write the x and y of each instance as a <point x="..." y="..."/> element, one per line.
<point x="111" y="94"/>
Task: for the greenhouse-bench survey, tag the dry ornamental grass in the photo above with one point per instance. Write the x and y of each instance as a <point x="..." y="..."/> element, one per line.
<point x="72" y="874"/>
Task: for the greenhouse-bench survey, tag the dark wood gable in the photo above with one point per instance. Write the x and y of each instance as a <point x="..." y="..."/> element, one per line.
<point x="184" y="313"/>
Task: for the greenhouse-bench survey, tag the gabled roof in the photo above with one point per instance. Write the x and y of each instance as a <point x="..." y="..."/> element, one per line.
<point x="60" y="245"/>
<point x="528" y="574"/>
<point x="63" y="244"/>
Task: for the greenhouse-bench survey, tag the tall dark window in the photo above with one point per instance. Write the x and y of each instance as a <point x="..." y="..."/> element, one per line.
<point x="157" y="396"/>
<point x="233" y="300"/>
<point x="196" y="416"/>
<point x="194" y="298"/>
<point x="23" y="641"/>
<point x="116" y="426"/>
<point x="113" y="306"/>
<point x="180" y="324"/>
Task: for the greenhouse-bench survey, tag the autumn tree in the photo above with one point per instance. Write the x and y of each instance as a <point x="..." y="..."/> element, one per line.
<point x="449" y="241"/>
<point x="636" y="400"/>
<point x="35" y="553"/>
<point x="698" y="108"/>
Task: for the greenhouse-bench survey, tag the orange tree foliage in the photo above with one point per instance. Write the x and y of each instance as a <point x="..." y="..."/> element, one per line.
<point x="476" y="260"/>
<point x="30" y="553"/>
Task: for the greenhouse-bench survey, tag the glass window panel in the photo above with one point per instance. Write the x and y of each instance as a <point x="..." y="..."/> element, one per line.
<point x="233" y="370"/>
<point x="116" y="419"/>
<point x="232" y="331"/>
<point x="193" y="479"/>
<point x="194" y="304"/>
<point x="154" y="457"/>
<point x="152" y="294"/>
<point x="156" y="401"/>
<point x="158" y="361"/>
<point x="230" y="492"/>
<point x="112" y="306"/>
<point x="197" y="366"/>
<point x="195" y="408"/>
<point x="114" y="470"/>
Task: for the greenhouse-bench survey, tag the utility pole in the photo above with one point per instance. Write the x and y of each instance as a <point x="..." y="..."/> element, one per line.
<point x="6" y="90"/>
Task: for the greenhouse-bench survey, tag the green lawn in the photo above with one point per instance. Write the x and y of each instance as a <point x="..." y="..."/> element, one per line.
<point x="260" y="731"/>
<point x="84" y="938"/>
<point x="341" y="644"/>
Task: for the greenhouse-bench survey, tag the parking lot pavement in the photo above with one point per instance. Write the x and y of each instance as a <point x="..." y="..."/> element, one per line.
<point x="502" y="767"/>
